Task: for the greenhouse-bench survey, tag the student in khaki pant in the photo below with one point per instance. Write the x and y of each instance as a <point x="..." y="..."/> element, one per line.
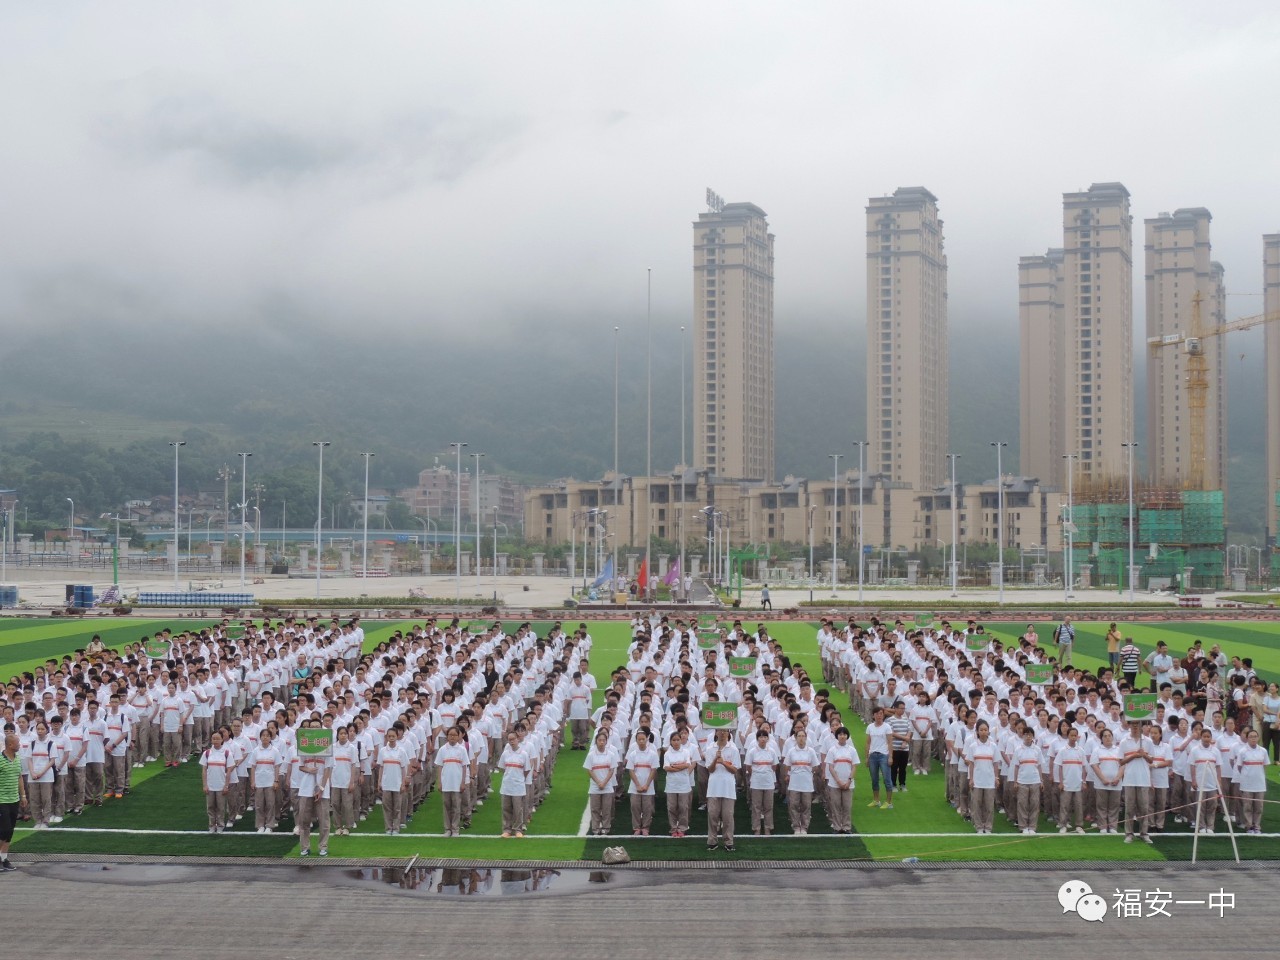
<point x="722" y="762"/>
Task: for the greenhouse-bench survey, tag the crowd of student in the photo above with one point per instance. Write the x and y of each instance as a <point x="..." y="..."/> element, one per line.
<point x="440" y="707"/>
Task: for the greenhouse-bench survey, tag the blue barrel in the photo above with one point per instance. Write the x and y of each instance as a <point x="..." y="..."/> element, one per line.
<point x="8" y="595"/>
<point x="82" y="596"/>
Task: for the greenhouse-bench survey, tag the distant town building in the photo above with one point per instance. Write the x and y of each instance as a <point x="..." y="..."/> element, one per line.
<point x="1042" y="367"/>
<point x="1180" y="268"/>
<point x="437" y="491"/>
<point x="733" y="365"/>
<point x="907" y="346"/>
<point x="1271" y="306"/>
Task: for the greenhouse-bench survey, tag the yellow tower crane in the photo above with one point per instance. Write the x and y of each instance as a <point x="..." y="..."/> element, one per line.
<point x="1192" y="343"/>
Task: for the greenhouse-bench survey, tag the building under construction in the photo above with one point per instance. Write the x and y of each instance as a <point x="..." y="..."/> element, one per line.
<point x="1178" y="533"/>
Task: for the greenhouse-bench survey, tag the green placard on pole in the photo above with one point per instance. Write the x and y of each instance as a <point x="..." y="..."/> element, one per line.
<point x="315" y="743"/>
<point x="708" y="639"/>
<point x="477" y="627"/>
<point x="1139" y="706"/>
<point x="977" y="641"/>
<point x="156" y="649"/>
<point x="742" y="666"/>
<point x="1039" y="673"/>
<point x="924" y="619"/>
<point x="719" y="714"/>
<point x="707" y="621"/>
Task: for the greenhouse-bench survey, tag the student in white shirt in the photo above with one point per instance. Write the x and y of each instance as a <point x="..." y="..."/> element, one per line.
<point x="1105" y="764"/>
<point x="799" y="761"/>
<point x="642" y="763"/>
<point x="344" y="783"/>
<point x="453" y="771"/>
<point x="1161" y="757"/>
<point x="841" y="764"/>
<point x="264" y="766"/>
<point x="393" y="762"/>
<point x="982" y="757"/>
<point x="879" y="735"/>
<point x="1206" y="779"/>
<point x="601" y="764"/>
<point x="516" y="771"/>
<point x="1135" y="759"/>
<point x="722" y="763"/>
<point x="761" y="762"/>
<point x="1251" y="761"/>
<point x="215" y="762"/>
<point x="1026" y="777"/>
<point x="1069" y="765"/>
<point x="678" y="762"/>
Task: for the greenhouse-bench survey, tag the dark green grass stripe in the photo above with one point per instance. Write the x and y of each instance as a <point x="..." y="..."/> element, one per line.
<point x="23" y="656"/>
<point x="226" y="845"/>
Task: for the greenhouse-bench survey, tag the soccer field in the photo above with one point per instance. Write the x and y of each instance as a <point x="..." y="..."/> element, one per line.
<point x="164" y="814"/>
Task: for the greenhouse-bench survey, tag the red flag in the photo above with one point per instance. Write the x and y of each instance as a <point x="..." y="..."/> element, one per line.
<point x="643" y="578"/>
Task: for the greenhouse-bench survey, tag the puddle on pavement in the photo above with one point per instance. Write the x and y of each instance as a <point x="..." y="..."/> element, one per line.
<point x="484" y="882"/>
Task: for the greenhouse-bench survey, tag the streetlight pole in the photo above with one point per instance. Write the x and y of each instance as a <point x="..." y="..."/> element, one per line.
<point x="284" y="516"/>
<point x="648" y="461"/>
<point x="457" y="523"/>
<point x="364" y="569"/>
<point x="679" y="591"/>
<point x="862" y="448"/>
<point x="1068" y="527"/>
<point x="955" y="534"/>
<point x="71" y="529"/>
<point x="811" y="544"/>
<point x="617" y="481"/>
<point x="176" y="444"/>
<point x="244" y="508"/>
<point x="1000" y="445"/>
<point x="835" y="512"/>
<point x="320" y="445"/>
<point x="476" y="500"/>
<point x="1130" y="447"/>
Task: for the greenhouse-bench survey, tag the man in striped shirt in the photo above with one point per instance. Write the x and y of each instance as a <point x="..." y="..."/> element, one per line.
<point x="900" y="745"/>
<point x="13" y="795"/>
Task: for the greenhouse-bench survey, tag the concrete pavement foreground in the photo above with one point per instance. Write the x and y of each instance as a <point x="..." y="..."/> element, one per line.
<point x="58" y="910"/>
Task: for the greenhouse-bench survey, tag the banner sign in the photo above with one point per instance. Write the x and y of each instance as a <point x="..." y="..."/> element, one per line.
<point x="1039" y="673"/>
<point x="157" y="649"/>
<point x="708" y="639"/>
<point x="977" y="641"/>
<point x="477" y="627"/>
<point x="924" y="619"/>
<point x="707" y="621"/>
<point x="1139" y="706"/>
<point x="742" y="666"/>
<point x="719" y="714"/>
<point x="315" y="743"/>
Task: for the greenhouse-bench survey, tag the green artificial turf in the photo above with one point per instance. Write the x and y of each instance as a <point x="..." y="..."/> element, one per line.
<point x="170" y="799"/>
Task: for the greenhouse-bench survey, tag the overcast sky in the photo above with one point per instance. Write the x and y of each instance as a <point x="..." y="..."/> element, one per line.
<point x="464" y="166"/>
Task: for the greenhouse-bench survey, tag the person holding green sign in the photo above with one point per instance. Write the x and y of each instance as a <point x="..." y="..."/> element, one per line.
<point x="722" y="765"/>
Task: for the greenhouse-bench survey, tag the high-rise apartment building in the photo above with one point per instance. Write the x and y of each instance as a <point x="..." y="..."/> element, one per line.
<point x="907" y="355"/>
<point x="1271" y="307"/>
<point x="1181" y="277"/>
<point x="1042" y="368"/>
<point x="733" y="341"/>
<point x="1097" y="277"/>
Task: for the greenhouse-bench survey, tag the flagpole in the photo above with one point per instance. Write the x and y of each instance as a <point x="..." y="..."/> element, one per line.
<point x="648" y="469"/>
<point x="683" y="467"/>
<point x="617" y="481"/>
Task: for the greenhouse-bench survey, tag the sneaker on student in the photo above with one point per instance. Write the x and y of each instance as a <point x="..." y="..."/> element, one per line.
<point x="8" y="865"/>
<point x="1080" y="830"/>
<point x="305" y="852"/>
<point x="324" y="851"/>
<point x="887" y="805"/>
<point x="873" y="804"/>
<point x="1062" y="829"/>
<point x="1148" y="840"/>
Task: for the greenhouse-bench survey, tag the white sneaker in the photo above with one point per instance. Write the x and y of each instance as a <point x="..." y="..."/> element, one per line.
<point x="55" y="819"/>
<point x="1062" y="829"/>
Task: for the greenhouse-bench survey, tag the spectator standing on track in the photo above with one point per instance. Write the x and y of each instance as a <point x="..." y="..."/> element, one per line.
<point x="13" y="795"/>
<point x="1065" y="637"/>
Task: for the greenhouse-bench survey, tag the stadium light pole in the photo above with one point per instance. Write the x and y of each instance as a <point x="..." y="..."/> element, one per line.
<point x="457" y="523"/>
<point x="862" y="448"/>
<point x="244" y="508"/>
<point x="1130" y="447"/>
<point x="71" y="526"/>
<point x="617" y="482"/>
<point x="365" y="547"/>
<point x="320" y="445"/>
<point x="176" y="444"/>
<point x="955" y="534"/>
<point x="835" y="512"/>
<point x="1068" y="526"/>
<point x="1000" y="445"/>
<point x="476" y="500"/>
<point x="684" y="343"/>
<point x="648" y="468"/>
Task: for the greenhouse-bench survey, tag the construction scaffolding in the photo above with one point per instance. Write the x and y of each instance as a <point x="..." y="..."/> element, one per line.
<point x="1179" y="534"/>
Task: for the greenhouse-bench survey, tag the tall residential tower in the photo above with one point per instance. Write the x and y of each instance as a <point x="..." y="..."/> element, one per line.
<point x="1271" y="307"/>
<point x="1179" y="269"/>
<point x="1097" y="273"/>
<point x="907" y="356"/>
<point x="1042" y="368"/>
<point x="733" y="341"/>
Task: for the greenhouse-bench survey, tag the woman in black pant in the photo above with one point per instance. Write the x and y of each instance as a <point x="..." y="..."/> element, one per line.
<point x="900" y="745"/>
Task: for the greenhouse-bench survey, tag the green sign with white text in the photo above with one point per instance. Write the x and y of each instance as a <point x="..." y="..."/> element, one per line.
<point x="977" y="641"/>
<point x="742" y="666"/>
<point x="315" y="743"/>
<point x="719" y="714"/>
<point x="1139" y="706"/>
<point x="156" y="649"/>
<point x="1039" y="673"/>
